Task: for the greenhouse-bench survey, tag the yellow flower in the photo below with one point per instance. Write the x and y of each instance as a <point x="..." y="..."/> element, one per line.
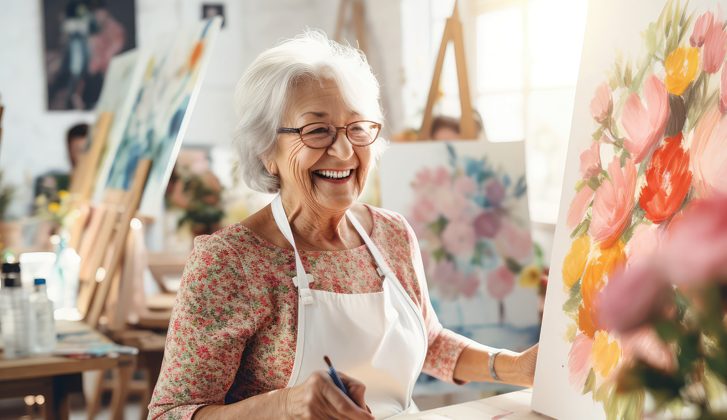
<point x="54" y="207"/>
<point x="575" y="260"/>
<point x="530" y="276"/>
<point x="605" y="353"/>
<point x="681" y="69"/>
<point x="63" y="195"/>
<point x="598" y="268"/>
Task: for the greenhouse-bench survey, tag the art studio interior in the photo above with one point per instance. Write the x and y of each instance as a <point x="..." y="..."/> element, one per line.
<point x="363" y="209"/>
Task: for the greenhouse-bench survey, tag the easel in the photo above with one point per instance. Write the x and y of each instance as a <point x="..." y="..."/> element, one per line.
<point x="452" y="32"/>
<point x="102" y="249"/>
<point x="358" y="18"/>
<point x="84" y="177"/>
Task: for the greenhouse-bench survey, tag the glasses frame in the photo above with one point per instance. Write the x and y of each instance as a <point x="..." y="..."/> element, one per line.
<point x="299" y="132"/>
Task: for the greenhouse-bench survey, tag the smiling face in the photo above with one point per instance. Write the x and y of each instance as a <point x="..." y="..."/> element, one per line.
<point x="322" y="179"/>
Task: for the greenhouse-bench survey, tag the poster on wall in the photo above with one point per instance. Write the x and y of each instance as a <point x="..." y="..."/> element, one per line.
<point x="648" y="145"/>
<point x="172" y="75"/>
<point x="81" y="38"/>
<point x="467" y="203"/>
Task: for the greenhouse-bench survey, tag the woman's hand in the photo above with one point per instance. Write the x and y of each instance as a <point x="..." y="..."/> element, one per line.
<point x="525" y="365"/>
<point x="319" y="398"/>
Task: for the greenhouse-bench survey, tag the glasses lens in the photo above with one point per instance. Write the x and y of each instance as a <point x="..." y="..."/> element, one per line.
<point x="316" y="135"/>
<point x="363" y="133"/>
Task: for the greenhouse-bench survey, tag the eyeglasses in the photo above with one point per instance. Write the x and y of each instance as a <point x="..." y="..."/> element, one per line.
<point x="320" y="135"/>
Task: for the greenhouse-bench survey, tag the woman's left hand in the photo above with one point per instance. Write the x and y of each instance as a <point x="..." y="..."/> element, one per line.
<point x="525" y="365"/>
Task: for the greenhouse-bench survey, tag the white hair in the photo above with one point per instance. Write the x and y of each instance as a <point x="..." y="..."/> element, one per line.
<point x="263" y="90"/>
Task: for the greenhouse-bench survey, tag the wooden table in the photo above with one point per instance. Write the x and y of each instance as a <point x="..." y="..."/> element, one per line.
<point x="511" y="406"/>
<point x="56" y="377"/>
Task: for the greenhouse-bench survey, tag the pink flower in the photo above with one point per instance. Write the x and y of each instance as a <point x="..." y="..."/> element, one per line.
<point x="579" y="360"/>
<point x="514" y="242"/>
<point x="715" y="46"/>
<point x="470" y="284"/>
<point x="447" y="278"/>
<point x="632" y="296"/>
<point x="601" y="104"/>
<point x="487" y="224"/>
<point x="708" y="154"/>
<point x="424" y="211"/>
<point x="454" y="205"/>
<point x="578" y="206"/>
<point x="723" y="92"/>
<point x="645" y="125"/>
<point x="591" y="161"/>
<point x="464" y="185"/>
<point x="697" y="247"/>
<point x="644" y="244"/>
<point x="428" y="178"/>
<point x="701" y="26"/>
<point x="495" y="192"/>
<point x="644" y="344"/>
<point x="500" y="282"/>
<point x="459" y="239"/>
<point x="613" y="203"/>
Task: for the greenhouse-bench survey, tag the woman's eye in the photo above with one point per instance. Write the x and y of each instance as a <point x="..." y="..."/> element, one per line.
<point x="320" y="130"/>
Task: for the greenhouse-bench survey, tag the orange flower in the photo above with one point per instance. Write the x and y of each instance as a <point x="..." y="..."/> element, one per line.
<point x="605" y="353"/>
<point x="668" y="180"/>
<point x="681" y="69"/>
<point x="575" y="261"/>
<point x="599" y="267"/>
<point x="586" y="323"/>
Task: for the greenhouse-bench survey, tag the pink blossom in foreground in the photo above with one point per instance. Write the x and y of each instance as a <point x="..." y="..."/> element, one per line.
<point x="631" y="297"/>
<point x="696" y="249"/>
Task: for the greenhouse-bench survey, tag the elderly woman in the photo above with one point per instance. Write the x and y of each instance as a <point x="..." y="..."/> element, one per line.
<point x="314" y="273"/>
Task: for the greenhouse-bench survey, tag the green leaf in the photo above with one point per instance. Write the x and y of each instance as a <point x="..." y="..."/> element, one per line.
<point x="574" y="300"/>
<point x="667" y="330"/>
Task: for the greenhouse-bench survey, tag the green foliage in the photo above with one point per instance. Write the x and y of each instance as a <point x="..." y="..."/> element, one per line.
<point x="6" y="196"/>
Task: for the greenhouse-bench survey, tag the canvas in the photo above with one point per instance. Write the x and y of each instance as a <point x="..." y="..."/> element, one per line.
<point x="467" y="203"/>
<point x="81" y="38"/>
<point x="117" y="96"/>
<point x="647" y="138"/>
<point x="172" y="75"/>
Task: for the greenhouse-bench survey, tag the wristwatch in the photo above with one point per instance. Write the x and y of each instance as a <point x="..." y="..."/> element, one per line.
<point x="491" y="363"/>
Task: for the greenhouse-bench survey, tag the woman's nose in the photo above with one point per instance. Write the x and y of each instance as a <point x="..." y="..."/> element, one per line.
<point x="341" y="147"/>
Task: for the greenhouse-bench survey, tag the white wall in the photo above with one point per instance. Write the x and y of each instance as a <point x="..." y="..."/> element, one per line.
<point x="34" y="139"/>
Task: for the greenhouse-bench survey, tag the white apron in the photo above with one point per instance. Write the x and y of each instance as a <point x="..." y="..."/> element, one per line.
<point x="377" y="338"/>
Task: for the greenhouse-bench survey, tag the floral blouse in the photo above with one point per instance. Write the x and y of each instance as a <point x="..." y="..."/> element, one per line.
<point x="232" y="333"/>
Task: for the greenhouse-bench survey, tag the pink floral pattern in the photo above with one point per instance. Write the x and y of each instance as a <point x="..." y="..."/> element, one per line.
<point x="232" y="333"/>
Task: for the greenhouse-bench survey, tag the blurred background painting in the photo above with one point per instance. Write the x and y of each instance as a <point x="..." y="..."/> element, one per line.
<point x="81" y="37"/>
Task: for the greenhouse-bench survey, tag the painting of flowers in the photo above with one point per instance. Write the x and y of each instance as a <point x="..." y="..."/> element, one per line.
<point x="648" y="149"/>
<point x="467" y="203"/>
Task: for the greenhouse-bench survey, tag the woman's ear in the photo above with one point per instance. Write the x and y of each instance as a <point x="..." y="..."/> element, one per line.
<point x="272" y="167"/>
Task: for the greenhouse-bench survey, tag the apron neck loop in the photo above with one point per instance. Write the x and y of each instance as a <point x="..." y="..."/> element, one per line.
<point x="381" y="266"/>
<point x="302" y="279"/>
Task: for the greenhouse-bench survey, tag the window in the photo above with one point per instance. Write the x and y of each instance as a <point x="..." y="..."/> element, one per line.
<point x="523" y="77"/>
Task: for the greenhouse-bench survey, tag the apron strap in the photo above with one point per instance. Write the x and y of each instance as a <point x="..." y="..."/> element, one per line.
<point x="302" y="279"/>
<point x="382" y="266"/>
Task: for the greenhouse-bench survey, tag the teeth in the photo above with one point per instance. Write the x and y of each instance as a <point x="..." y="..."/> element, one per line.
<point x="334" y="174"/>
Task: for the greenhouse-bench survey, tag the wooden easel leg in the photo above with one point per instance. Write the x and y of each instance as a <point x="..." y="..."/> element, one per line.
<point x="122" y="377"/>
<point x="96" y="379"/>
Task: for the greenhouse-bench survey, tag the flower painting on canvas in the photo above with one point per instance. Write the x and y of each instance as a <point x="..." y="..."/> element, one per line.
<point x="467" y="204"/>
<point x="649" y="143"/>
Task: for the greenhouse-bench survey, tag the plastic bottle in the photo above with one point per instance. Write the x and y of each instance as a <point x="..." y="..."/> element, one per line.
<point x="17" y="328"/>
<point x="41" y="309"/>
